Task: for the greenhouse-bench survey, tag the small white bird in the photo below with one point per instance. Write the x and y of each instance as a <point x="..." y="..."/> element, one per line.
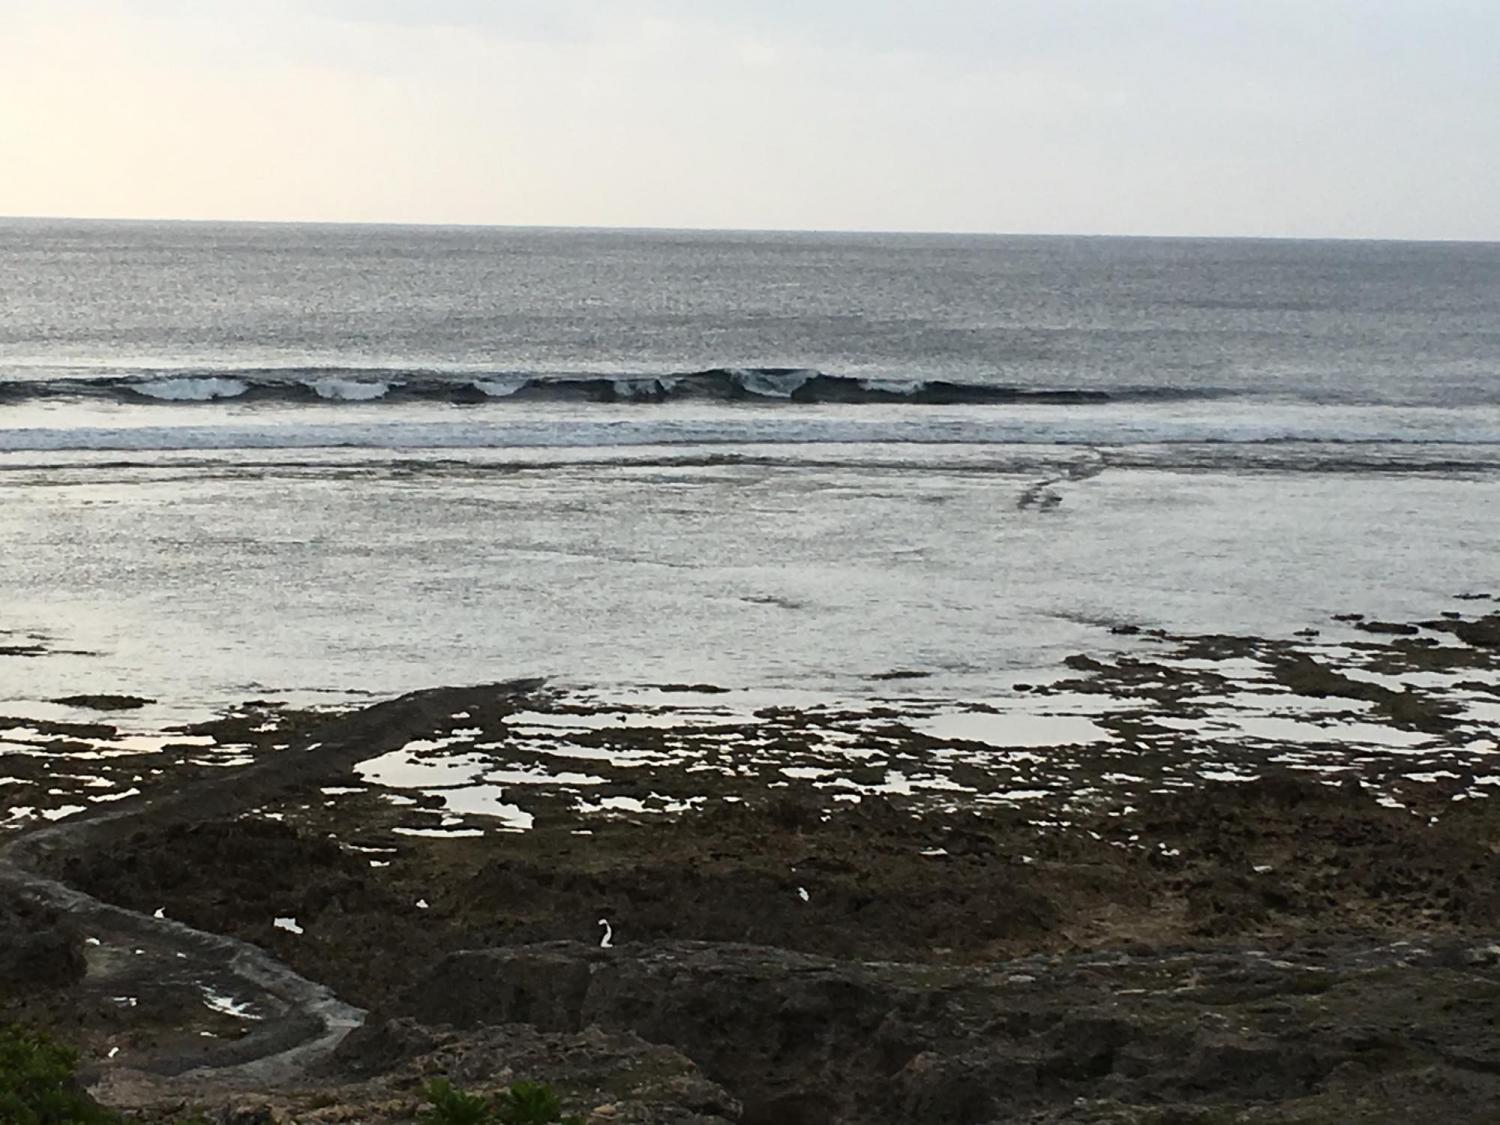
<point x="161" y="912"/>
<point x="608" y="940"/>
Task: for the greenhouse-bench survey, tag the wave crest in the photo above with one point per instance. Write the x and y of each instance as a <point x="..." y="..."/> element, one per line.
<point x="755" y="384"/>
<point x="349" y="390"/>
<point x="189" y="389"/>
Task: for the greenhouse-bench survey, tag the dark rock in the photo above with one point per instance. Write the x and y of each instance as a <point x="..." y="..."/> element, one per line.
<point x="381" y="1046"/>
<point x="640" y="1083"/>
<point x="1388" y="628"/>
<point x="1412" y="709"/>
<point x="1484" y="633"/>
<point x="38" y="949"/>
<point x="104" y="702"/>
<point x="804" y="1039"/>
<point x="245" y="1113"/>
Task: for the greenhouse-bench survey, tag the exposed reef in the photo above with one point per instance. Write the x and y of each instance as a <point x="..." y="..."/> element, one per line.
<point x="1191" y="879"/>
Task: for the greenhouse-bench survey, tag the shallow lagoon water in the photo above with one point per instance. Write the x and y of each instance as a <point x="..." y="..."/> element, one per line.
<point x="324" y="583"/>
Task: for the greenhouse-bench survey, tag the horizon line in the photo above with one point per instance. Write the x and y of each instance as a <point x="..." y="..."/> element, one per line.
<point x="650" y="229"/>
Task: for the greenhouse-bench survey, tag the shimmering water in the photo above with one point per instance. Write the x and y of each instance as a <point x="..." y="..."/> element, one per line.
<point x="247" y="459"/>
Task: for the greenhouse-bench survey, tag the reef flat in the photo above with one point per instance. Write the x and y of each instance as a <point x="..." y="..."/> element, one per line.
<point x="1190" y="878"/>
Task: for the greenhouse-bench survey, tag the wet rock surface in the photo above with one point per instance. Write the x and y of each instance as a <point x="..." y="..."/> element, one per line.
<point x="1305" y="941"/>
<point x="1247" y="880"/>
<point x="104" y="702"/>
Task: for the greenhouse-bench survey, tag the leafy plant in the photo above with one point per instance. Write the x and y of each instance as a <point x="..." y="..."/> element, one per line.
<point x="37" y="1085"/>
<point x="447" y="1106"/>
<point x="531" y="1103"/>
<point x="525" y="1103"/>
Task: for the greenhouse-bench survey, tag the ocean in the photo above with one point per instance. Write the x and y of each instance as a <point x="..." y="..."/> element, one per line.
<point x="336" y="461"/>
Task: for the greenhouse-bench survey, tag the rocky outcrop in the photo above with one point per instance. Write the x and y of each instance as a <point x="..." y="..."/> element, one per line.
<point x="802" y="1039"/>
<point x="616" y="1077"/>
<point x="38" y="949"/>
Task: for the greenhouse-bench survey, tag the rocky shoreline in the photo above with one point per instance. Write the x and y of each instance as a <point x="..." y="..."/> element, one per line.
<point x="1196" y="879"/>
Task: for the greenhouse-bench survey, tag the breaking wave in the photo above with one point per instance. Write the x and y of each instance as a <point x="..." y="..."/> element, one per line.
<point x="351" y="384"/>
<point x="191" y="389"/>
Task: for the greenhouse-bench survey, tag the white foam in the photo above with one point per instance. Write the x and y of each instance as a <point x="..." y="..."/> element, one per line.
<point x="349" y="390"/>
<point x="501" y="386"/>
<point x="893" y="386"/>
<point x="205" y="389"/>
<point x="772" y="384"/>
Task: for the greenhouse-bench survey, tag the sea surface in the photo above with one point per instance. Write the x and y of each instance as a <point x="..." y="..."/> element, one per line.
<point x="325" y="461"/>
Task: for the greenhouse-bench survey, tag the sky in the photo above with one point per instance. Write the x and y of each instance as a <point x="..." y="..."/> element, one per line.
<point x="1296" y="118"/>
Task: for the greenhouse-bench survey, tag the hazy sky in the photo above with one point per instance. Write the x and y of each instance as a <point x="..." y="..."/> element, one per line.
<point x="1359" y="118"/>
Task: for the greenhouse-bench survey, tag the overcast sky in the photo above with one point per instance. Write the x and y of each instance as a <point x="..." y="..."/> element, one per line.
<point x="1357" y="118"/>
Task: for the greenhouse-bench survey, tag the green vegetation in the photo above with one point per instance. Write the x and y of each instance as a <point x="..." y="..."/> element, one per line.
<point x="531" y="1103"/>
<point x="37" y="1085"/>
<point x="447" y="1106"/>
<point x="525" y="1103"/>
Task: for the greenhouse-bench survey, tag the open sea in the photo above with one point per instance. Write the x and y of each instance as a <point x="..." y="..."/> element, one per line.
<point x="326" y="461"/>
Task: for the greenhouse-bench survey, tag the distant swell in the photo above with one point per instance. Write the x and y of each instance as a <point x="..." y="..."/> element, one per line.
<point x="751" y="384"/>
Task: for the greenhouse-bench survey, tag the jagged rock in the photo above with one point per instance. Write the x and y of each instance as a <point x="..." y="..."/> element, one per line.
<point x="802" y="1039"/>
<point x="38" y="950"/>
<point x="613" y="1076"/>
